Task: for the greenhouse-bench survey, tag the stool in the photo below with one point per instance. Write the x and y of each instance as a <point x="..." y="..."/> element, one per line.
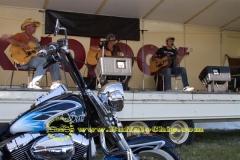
<point x="25" y="68"/>
<point x="160" y="81"/>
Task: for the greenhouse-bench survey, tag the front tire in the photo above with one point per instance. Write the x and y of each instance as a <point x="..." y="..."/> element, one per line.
<point x="159" y="154"/>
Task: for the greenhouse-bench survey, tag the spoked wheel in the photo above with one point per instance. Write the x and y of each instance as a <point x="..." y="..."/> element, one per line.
<point x="159" y="154"/>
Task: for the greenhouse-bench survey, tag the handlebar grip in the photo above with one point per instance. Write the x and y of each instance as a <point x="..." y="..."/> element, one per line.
<point x="49" y="50"/>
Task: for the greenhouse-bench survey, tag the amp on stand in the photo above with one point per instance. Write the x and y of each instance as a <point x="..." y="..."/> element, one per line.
<point x="215" y="78"/>
<point x="113" y="69"/>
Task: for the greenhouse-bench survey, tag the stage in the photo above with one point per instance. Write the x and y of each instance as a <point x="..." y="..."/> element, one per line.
<point x="199" y="106"/>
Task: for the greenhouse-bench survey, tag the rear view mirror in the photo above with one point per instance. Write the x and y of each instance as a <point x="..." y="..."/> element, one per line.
<point x="57" y="27"/>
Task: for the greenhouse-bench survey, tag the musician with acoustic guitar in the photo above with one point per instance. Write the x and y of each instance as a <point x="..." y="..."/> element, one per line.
<point x="165" y="60"/>
<point x="110" y="49"/>
<point x="23" y="52"/>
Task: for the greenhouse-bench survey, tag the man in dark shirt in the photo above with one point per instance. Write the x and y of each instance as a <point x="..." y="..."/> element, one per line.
<point x="173" y="57"/>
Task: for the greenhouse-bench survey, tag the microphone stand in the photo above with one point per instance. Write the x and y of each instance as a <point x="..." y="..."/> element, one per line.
<point x="99" y="83"/>
<point x="143" y="59"/>
<point x="176" y="66"/>
<point x="126" y="42"/>
<point x="103" y="44"/>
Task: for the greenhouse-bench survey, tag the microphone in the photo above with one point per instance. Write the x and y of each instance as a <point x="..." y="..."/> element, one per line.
<point x="174" y="47"/>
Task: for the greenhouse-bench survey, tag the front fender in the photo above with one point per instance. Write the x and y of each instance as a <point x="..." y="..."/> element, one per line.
<point x="144" y="138"/>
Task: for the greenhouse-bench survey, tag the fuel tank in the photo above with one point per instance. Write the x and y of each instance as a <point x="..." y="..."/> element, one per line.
<point x="36" y="119"/>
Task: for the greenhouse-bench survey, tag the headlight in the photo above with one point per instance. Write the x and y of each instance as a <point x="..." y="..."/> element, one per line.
<point x="115" y="101"/>
<point x="112" y="95"/>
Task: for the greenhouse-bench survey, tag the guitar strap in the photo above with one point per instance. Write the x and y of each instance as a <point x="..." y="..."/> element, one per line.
<point x="36" y="40"/>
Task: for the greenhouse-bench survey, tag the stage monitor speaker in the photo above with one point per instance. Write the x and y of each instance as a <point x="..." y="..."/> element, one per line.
<point x="215" y="73"/>
<point x="215" y="78"/>
<point x="113" y="68"/>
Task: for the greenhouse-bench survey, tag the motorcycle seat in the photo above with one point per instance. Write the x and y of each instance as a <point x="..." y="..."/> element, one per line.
<point x="4" y="128"/>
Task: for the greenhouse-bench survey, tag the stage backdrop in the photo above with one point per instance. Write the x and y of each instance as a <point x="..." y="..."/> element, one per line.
<point x="207" y="47"/>
<point x="88" y="25"/>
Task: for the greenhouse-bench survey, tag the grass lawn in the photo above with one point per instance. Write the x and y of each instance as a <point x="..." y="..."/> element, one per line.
<point x="213" y="145"/>
<point x="209" y="145"/>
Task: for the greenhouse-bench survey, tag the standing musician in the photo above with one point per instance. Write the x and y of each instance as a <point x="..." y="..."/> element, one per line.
<point x="170" y="52"/>
<point x="110" y="46"/>
<point x="22" y="40"/>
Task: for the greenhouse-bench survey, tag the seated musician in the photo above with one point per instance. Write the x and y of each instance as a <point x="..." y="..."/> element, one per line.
<point x="111" y="49"/>
<point x="24" y="40"/>
<point x="169" y="51"/>
<point x="110" y="46"/>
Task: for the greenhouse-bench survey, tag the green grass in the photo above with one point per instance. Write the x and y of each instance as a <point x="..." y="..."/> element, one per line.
<point x="213" y="145"/>
<point x="209" y="145"/>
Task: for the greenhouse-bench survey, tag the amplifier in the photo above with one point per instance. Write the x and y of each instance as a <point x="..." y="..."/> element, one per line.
<point x="215" y="73"/>
<point x="113" y="69"/>
<point x="114" y="66"/>
<point x="215" y="78"/>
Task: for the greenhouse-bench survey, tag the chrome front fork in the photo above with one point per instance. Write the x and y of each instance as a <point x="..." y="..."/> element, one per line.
<point x="122" y="144"/>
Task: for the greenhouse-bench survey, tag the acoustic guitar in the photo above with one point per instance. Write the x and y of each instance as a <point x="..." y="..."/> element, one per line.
<point x="22" y="56"/>
<point x="93" y="56"/>
<point x="155" y="67"/>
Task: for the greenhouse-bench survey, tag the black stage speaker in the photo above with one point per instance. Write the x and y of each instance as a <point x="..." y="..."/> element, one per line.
<point x="234" y="84"/>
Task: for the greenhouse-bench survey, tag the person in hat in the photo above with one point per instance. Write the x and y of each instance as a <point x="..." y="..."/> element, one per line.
<point x="110" y="45"/>
<point x="170" y="51"/>
<point x="22" y="40"/>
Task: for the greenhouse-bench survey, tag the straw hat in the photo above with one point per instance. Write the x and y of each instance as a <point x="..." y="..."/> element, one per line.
<point x="29" y="21"/>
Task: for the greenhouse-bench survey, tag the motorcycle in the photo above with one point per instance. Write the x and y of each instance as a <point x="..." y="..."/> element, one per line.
<point x="58" y="125"/>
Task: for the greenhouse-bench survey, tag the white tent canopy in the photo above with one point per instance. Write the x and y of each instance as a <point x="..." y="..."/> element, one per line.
<point x="213" y="13"/>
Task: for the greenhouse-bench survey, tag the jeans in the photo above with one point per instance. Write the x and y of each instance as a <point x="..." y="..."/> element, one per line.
<point x="167" y="72"/>
<point x="38" y="62"/>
